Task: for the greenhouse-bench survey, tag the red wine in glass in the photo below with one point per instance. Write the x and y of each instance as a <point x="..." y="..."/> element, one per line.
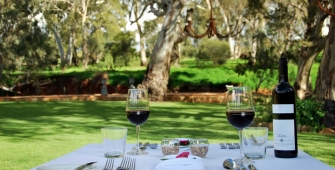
<point x="137" y="112"/>
<point x="240" y="118"/>
<point x="138" y="117"/>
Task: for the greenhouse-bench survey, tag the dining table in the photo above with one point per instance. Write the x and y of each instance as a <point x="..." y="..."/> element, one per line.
<point x="213" y="160"/>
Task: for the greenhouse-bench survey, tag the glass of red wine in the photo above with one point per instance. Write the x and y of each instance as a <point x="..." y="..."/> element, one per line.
<point x="240" y="109"/>
<point x="137" y="111"/>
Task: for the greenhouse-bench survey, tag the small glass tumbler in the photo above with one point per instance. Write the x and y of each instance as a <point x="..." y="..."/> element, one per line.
<point x="114" y="141"/>
<point x="199" y="147"/>
<point x="254" y="142"/>
<point x="170" y="146"/>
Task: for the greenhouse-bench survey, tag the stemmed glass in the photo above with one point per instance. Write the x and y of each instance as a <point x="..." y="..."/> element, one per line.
<point x="240" y="109"/>
<point x="137" y="111"/>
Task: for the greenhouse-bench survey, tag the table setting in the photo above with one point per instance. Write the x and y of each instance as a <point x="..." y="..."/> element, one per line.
<point x="252" y="152"/>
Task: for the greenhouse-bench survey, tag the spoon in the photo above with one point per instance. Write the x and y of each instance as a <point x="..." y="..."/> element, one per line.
<point x="229" y="164"/>
<point x="252" y="167"/>
<point x="242" y="167"/>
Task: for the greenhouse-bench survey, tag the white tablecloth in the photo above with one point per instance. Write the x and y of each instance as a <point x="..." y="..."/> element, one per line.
<point x="213" y="160"/>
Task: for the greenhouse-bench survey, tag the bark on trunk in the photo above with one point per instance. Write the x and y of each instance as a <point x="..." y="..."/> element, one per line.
<point x="144" y="61"/>
<point x="165" y="51"/>
<point x="305" y="63"/>
<point x="69" y="53"/>
<point x="59" y="45"/>
<point x="84" y="33"/>
<point x="308" y="54"/>
<point x="326" y="68"/>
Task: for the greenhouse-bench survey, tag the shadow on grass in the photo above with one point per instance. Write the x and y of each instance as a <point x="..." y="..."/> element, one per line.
<point x="22" y="122"/>
<point x="37" y="120"/>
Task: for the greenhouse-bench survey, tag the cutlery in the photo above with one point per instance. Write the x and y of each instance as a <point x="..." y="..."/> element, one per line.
<point x="127" y="164"/>
<point x="252" y="167"/>
<point x="229" y="164"/>
<point x="84" y="166"/>
<point x="109" y="164"/>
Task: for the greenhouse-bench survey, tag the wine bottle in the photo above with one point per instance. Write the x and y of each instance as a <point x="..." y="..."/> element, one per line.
<point x="284" y="115"/>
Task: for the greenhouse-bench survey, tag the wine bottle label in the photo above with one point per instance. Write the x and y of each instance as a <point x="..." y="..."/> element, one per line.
<point x="283" y="134"/>
<point x="282" y="108"/>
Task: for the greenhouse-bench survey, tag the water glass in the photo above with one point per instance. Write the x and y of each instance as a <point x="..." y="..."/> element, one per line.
<point x="254" y="142"/>
<point x="114" y="141"/>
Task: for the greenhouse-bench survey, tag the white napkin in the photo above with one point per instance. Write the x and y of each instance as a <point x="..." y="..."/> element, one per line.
<point x="173" y="163"/>
<point x="65" y="167"/>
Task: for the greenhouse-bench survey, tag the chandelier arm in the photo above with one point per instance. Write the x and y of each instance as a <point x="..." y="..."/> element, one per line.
<point x="190" y="32"/>
<point x="198" y="36"/>
<point x="238" y="32"/>
<point x="324" y="10"/>
<point x="235" y="27"/>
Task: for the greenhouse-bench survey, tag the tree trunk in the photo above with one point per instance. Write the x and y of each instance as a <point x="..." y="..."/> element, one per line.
<point x="69" y="53"/>
<point x="85" y="55"/>
<point x="326" y="68"/>
<point x="59" y="45"/>
<point x="144" y="61"/>
<point x="308" y="54"/>
<point x="165" y="51"/>
<point x="306" y="60"/>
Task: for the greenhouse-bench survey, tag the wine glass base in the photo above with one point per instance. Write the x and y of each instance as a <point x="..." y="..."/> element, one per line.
<point x="137" y="152"/>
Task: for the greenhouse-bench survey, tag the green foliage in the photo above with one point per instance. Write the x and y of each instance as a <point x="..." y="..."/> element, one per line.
<point x="263" y="107"/>
<point x="188" y="49"/>
<point x="213" y="50"/>
<point x="310" y="113"/>
<point x="121" y="49"/>
<point x="319" y="57"/>
<point x="263" y="65"/>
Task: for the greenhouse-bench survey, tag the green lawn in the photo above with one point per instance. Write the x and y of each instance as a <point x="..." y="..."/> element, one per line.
<point x="32" y="133"/>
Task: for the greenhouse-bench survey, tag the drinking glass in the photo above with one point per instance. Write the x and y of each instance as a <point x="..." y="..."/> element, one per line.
<point x="240" y="110"/>
<point x="137" y="111"/>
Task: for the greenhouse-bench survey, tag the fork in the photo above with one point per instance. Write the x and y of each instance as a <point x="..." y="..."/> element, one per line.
<point x="109" y="164"/>
<point x="127" y="164"/>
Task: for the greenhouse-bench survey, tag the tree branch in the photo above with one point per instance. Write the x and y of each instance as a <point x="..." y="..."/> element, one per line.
<point x="156" y="12"/>
<point x="136" y="19"/>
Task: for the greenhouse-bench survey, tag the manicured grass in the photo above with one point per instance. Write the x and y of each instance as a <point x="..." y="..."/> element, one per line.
<point x="32" y="133"/>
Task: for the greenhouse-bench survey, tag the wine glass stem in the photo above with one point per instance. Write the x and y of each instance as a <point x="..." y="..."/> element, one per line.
<point x="241" y="144"/>
<point x="138" y="138"/>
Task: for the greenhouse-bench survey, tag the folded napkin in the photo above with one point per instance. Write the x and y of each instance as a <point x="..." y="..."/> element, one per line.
<point x="65" y="167"/>
<point x="170" y="162"/>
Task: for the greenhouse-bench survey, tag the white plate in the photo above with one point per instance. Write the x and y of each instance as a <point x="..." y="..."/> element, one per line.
<point x="65" y="167"/>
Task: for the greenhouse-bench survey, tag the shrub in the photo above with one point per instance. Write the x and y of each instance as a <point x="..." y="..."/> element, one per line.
<point x="214" y="50"/>
<point x="310" y="113"/>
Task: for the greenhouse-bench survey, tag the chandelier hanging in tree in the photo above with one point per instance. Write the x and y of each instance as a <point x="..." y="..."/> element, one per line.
<point x="326" y="7"/>
<point x="211" y="26"/>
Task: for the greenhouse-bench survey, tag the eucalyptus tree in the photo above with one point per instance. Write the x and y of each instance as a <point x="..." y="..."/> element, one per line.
<point x="313" y="43"/>
<point x="25" y="44"/>
<point x="84" y="22"/>
<point x="138" y="7"/>
<point x="166" y="48"/>
<point x="325" y="79"/>
<point x="295" y="26"/>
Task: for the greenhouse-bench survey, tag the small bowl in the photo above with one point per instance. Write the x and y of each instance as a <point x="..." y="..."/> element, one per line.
<point x="199" y="147"/>
<point x="170" y="146"/>
<point x="153" y="145"/>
